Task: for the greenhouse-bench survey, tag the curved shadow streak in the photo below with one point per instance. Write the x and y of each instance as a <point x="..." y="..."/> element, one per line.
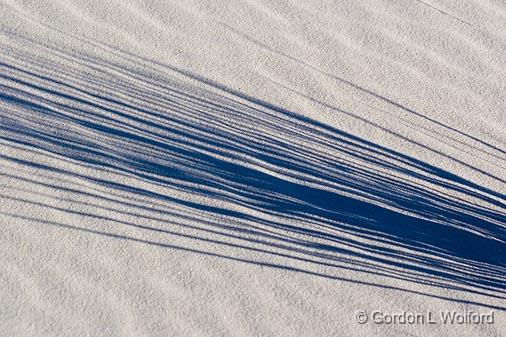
<point x="300" y="189"/>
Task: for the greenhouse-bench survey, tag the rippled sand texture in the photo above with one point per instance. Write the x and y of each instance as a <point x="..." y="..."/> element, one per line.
<point x="251" y="168"/>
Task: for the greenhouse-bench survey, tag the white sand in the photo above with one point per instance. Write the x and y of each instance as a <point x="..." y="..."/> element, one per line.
<point x="251" y="168"/>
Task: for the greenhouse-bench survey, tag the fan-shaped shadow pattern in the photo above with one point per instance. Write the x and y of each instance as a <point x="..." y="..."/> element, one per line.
<point x="271" y="180"/>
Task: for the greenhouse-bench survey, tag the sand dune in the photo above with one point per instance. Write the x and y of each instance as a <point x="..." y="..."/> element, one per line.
<point x="252" y="168"/>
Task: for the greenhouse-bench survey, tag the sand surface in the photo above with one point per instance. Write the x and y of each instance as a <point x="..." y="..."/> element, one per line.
<point x="252" y="168"/>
